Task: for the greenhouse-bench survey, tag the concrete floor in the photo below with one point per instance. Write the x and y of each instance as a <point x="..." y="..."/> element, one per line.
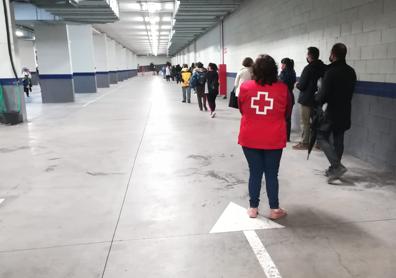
<point x="129" y="182"/>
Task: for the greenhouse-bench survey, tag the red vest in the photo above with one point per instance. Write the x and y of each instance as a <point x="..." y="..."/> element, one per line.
<point x="264" y="110"/>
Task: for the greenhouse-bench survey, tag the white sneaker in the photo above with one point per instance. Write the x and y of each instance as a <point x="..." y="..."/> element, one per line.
<point x="213" y="114"/>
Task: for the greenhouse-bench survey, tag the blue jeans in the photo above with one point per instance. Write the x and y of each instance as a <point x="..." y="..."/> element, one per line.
<point x="186" y="94"/>
<point x="263" y="162"/>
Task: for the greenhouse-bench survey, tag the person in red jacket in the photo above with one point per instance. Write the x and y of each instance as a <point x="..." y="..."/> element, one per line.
<point x="265" y="105"/>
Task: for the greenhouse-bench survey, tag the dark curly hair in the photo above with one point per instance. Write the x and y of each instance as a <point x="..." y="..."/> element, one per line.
<point x="265" y="70"/>
<point x="213" y="66"/>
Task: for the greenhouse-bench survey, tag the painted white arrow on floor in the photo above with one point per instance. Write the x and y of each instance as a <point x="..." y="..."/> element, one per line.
<point x="235" y="219"/>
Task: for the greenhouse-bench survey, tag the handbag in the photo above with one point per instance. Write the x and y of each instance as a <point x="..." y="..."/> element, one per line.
<point x="233" y="103"/>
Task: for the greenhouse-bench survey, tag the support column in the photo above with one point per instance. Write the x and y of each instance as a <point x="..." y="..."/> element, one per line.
<point x="134" y="64"/>
<point x="101" y="61"/>
<point x="27" y="58"/>
<point x="129" y="63"/>
<point x="14" y="100"/>
<point x="112" y="60"/>
<point x="119" y="62"/>
<point x="53" y="52"/>
<point x="124" y="63"/>
<point x="82" y="58"/>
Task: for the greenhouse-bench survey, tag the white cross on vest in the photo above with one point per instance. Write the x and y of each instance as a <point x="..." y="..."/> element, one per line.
<point x="262" y="103"/>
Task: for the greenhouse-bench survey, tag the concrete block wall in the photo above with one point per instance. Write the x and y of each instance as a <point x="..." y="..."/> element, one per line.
<point x="286" y="28"/>
<point x="205" y="49"/>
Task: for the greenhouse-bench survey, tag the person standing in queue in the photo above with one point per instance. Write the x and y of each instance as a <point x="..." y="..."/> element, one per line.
<point x="168" y="72"/>
<point x="198" y="82"/>
<point x="244" y="74"/>
<point x="308" y="86"/>
<point x="336" y="91"/>
<point x="264" y="104"/>
<point x="212" y="77"/>
<point x="185" y="76"/>
<point x="288" y="76"/>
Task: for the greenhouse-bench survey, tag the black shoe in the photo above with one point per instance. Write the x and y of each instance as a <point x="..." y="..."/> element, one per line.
<point x="328" y="171"/>
<point x="189" y="101"/>
<point x="336" y="173"/>
<point x="183" y="101"/>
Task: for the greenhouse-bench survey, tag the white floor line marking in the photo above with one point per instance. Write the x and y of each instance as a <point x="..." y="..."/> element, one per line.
<point x="1" y="200"/>
<point x="262" y="255"/>
<point x="234" y="218"/>
<point x="95" y="100"/>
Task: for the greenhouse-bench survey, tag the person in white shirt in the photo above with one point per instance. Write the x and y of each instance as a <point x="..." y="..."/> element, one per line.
<point x="168" y="72"/>
<point x="244" y="74"/>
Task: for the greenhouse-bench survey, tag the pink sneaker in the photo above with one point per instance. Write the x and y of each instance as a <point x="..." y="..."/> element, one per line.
<point x="252" y="212"/>
<point x="277" y="213"/>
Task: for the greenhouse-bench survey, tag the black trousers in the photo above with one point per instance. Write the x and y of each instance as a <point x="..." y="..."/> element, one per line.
<point x="288" y="127"/>
<point x="201" y="97"/>
<point x="212" y="101"/>
<point x="333" y="149"/>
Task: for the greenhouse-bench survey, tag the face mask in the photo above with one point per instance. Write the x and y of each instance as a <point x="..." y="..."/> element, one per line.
<point x="307" y="61"/>
<point x="331" y="59"/>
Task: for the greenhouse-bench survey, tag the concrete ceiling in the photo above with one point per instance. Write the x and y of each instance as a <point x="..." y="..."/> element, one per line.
<point x="196" y="17"/>
<point x="178" y="24"/>
<point x="82" y="11"/>
<point x="135" y="30"/>
<point x="148" y="27"/>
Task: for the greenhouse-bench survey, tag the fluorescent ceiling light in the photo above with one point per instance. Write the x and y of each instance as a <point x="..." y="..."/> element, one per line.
<point x="164" y="33"/>
<point x="130" y="6"/>
<point x="19" y="33"/>
<point x="166" y="27"/>
<point x="152" y="19"/>
<point x="151" y="7"/>
<point x="167" y="18"/>
<point x="168" y="6"/>
<point x="140" y="27"/>
<point x="132" y="32"/>
<point x="134" y="18"/>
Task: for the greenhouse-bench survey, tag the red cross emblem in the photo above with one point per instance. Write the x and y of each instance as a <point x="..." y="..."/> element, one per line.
<point x="262" y="103"/>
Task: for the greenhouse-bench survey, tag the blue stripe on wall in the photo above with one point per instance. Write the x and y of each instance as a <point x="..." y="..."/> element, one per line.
<point x="83" y="74"/>
<point x="56" y="76"/>
<point x="378" y="89"/>
<point x="102" y="72"/>
<point x="7" y="81"/>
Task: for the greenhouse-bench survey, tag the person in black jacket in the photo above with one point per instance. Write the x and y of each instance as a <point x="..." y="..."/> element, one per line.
<point x="288" y="76"/>
<point x="308" y="87"/>
<point x="198" y="82"/>
<point x="336" y="90"/>
<point x="212" y="78"/>
<point x="178" y="74"/>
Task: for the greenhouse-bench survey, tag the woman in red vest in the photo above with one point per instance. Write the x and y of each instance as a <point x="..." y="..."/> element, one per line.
<point x="264" y="103"/>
